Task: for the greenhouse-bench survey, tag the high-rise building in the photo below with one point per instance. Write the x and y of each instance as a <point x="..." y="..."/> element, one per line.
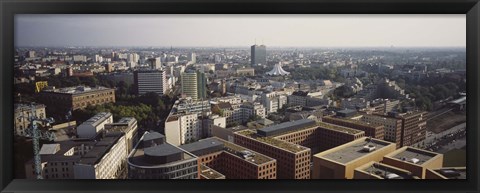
<point x="154" y="158"/>
<point x="192" y="57"/>
<point x="201" y="85"/>
<point x="189" y="85"/>
<point x="258" y="55"/>
<point x="150" y="81"/>
<point x="194" y="85"/>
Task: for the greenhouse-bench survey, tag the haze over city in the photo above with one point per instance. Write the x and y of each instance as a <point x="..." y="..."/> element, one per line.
<point x="241" y="30"/>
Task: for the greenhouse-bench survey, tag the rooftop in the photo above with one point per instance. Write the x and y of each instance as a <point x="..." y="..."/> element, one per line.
<point x="76" y="90"/>
<point x="98" y="118"/>
<point x="415" y="156"/>
<point x="246" y="154"/>
<point x="210" y="173"/>
<point x="338" y="128"/>
<point x="358" y="122"/>
<point x="272" y="141"/>
<point x="388" y="172"/>
<point x="285" y="127"/>
<point x="453" y="173"/>
<point x="354" y="150"/>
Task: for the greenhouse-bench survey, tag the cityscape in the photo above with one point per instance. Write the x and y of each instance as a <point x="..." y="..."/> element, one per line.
<point x="250" y="111"/>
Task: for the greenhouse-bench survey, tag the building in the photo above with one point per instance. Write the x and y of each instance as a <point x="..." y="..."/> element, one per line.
<point x="293" y="161"/>
<point x="340" y="162"/>
<point x="192" y="57"/>
<point x="226" y="133"/>
<point x="414" y="160"/>
<point x="376" y="170"/>
<point x="150" y="81"/>
<point x="190" y="121"/>
<point x="105" y="160"/>
<point x="414" y="127"/>
<point x="154" y="158"/>
<point x="22" y="115"/>
<point x="102" y="158"/>
<point x="73" y="98"/>
<point x="392" y="126"/>
<point x="258" y="55"/>
<point x="209" y="173"/>
<point x="189" y="85"/>
<point x="127" y="125"/>
<point x="154" y="63"/>
<point x="277" y="71"/>
<point x="231" y="160"/>
<point x="371" y="130"/>
<point x="273" y="103"/>
<point x="446" y="173"/>
<point x="245" y="72"/>
<point x="93" y="126"/>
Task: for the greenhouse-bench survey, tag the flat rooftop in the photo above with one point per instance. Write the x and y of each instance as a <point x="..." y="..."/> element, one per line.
<point x="354" y="150"/>
<point x="409" y="153"/>
<point x="76" y="90"/>
<point x="272" y="141"/>
<point x="210" y="173"/>
<point x="358" y="122"/>
<point x="453" y="173"/>
<point x="239" y="151"/>
<point x="388" y="172"/>
<point x="338" y="128"/>
<point x="285" y="127"/>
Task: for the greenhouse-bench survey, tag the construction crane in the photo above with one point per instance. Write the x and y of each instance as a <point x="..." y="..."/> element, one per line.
<point x="36" y="135"/>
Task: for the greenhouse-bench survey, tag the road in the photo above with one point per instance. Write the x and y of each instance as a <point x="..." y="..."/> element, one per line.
<point x="438" y="113"/>
<point x="432" y="137"/>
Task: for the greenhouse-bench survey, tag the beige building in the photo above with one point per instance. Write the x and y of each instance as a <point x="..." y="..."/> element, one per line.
<point x="392" y="126"/>
<point x="376" y="170"/>
<point x="414" y="160"/>
<point x="340" y="162"/>
<point x="75" y="98"/>
<point x="189" y="85"/>
<point x="22" y="114"/>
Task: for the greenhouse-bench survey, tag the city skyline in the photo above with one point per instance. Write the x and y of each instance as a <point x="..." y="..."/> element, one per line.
<point x="272" y="30"/>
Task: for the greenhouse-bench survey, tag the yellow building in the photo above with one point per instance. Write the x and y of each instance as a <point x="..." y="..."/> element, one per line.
<point x="340" y="162"/>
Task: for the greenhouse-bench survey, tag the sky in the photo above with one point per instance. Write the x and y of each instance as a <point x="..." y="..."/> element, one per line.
<point x="241" y="30"/>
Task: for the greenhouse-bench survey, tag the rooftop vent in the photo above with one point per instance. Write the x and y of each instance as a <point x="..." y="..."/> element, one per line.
<point x="368" y="148"/>
<point x="392" y="176"/>
<point x="414" y="160"/>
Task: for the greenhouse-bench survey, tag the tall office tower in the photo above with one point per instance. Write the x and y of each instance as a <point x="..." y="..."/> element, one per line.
<point x="30" y="54"/>
<point x="201" y="85"/>
<point x="259" y="55"/>
<point x="150" y="81"/>
<point x="194" y="85"/>
<point x="192" y="57"/>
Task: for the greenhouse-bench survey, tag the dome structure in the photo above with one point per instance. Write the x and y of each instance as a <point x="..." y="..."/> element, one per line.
<point x="277" y="71"/>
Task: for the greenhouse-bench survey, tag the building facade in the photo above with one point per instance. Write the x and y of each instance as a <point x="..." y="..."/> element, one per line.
<point x="73" y="98"/>
<point x="258" y="55"/>
<point x="151" y="81"/>
<point x="22" y="114"/>
<point x="154" y="158"/>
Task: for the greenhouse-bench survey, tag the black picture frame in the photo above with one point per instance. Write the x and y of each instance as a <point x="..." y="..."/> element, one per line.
<point x="8" y="8"/>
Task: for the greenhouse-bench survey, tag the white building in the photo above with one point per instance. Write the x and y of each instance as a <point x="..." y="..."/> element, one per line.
<point x="79" y="58"/>
<point x="128" y="125"/>
<point x="106" y="160"/>
<point x="94" y="125"/>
